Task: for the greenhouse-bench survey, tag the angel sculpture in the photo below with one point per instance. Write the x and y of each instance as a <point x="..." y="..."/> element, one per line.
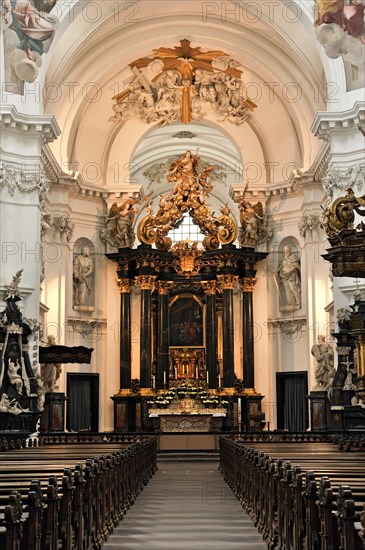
<point x="119" y="231"/>
<point x="252" y="223"/>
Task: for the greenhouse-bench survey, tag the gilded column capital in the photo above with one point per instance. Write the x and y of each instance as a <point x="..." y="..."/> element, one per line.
<point x="227" y="282"/>
<point x="209" y="287"/>
<point x="146" y="282"/>
<point x="125" y="285"/>
<point x="164" y="287"/>
<point x="248" y="284"/>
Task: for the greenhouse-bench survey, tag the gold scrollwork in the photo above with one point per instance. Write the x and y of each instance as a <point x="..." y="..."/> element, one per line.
<point x="146" y="282"/>
<point x="164" y="287"/>
<point x="124" y="285"/>
<point x="227" y="282"/>
<point x="340" y="215"/>
<point x="145" y="232"/>
<point x="248" y="284"/>
<point x="209" y="287"/>
<point x="191" y="188"/>
<point x="187" y="259"/>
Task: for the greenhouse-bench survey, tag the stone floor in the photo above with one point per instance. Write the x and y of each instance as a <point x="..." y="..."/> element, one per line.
<point x="186" y="506"/>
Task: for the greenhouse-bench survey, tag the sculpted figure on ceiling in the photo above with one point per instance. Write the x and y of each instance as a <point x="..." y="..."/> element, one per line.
<point x="188" y="85"/>
<point x="340" y="28"/>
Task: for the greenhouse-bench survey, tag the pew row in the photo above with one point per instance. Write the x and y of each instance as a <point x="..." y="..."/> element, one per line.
<point x="70" y="497"/>
<point x="301" y="496"/>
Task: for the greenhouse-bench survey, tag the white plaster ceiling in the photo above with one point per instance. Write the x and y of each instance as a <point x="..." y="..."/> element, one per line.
<point x="278" y="54"/>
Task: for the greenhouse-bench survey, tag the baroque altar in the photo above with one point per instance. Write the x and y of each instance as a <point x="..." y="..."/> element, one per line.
<point x="186" y="293"/>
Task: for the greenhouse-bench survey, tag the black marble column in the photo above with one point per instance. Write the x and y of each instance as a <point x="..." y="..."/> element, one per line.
<point x="125" y="333"/>
<point x="163" y="335"/>
<point x="227" y="283"/>
<point x="248" y="366"/>
<point x="146" y="283"/>
<point x="211" y="332"/>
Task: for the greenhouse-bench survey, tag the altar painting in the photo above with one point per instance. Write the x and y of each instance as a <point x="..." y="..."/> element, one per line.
<point x="186" y="322"/>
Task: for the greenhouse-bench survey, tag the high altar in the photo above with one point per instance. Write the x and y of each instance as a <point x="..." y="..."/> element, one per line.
<point x="186" y="311"/>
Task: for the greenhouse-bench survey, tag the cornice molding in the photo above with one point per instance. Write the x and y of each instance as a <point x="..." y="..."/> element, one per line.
<point x="44" y="125"/>
<point x="327" y="122"/>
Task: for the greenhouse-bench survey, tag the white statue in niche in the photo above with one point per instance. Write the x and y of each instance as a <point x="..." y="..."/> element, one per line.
<point x="50" y="372"/>
<point x="289" y="275"/>
<point x="324" y="371"/>
<point x="82" y="277"/>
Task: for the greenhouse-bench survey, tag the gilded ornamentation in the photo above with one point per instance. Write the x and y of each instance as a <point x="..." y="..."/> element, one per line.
<point x="191" y="187"/>
<point x="227" y="282"/>
<point x="187" y="259"/>
<point x="158" y="173"/>
<point x="182" y="83"/>
<point x="340" y="216"/>
<point x="248" y="284"/>
<point x="146" y="282"/>
<point x="164" y="287"/>
<point x="209" y="287"/>
<point x="124" y="285"/>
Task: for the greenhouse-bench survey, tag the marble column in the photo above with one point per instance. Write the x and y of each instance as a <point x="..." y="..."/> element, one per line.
<point x="146" y="283"/>
<point x="163" y="335"/>
<point x="248" y="366"/>
<point x="125" y="288"/>
<point x="227" y="284"/>
<point x="211" y="332"/>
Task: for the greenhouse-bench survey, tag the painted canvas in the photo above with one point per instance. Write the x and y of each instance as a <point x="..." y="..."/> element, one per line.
<point x="186" y="322"/>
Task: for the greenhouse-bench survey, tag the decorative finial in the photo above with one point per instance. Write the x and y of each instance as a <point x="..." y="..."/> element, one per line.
<point x="13" y="289"/>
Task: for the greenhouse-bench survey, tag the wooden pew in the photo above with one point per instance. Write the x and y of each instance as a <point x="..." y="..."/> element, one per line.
<point x="70" y="496"/>
<point x="297" y="507"/>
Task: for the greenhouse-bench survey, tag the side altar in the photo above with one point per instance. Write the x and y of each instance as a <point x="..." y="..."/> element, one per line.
<point x="185" y="294"/>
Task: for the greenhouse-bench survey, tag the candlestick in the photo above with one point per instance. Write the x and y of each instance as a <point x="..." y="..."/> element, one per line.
<point x="219" y="380"/>
<point x="197" y="373"/>
<point x="164" y="377"/>
<point x="175" y="373"/>
<point x="153" y="381"/>
<point x="207" y="378"/>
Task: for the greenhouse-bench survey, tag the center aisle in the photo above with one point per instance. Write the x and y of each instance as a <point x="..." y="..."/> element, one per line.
<point x="186" y="506"/>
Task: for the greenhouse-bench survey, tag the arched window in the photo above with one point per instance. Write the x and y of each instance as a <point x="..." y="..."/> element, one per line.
<point x="187" y="231"/>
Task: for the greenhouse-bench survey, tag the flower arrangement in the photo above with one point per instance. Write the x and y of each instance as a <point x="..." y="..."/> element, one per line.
<point x="211" y="401"/>
<point x="162" y="402"/>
